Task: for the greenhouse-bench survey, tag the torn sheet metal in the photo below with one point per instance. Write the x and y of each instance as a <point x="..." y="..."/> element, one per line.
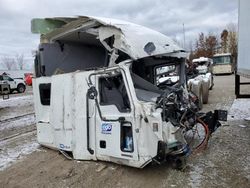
<point x="134" y="40"/>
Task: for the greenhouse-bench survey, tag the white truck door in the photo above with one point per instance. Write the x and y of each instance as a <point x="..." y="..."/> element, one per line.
<point x="115" y="133"/>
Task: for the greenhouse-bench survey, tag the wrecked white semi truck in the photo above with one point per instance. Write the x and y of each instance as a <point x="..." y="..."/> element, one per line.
<point x="98" y="96"/>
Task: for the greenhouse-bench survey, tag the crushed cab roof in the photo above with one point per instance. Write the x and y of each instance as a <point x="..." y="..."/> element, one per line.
<point x="135" y="40"/>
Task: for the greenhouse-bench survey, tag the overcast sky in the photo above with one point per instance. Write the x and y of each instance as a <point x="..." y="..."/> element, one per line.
<point x="166" y="16"/>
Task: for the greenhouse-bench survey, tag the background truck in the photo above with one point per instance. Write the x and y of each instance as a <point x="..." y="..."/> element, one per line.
<point x="223" y="64"/>
<point x="14" y="84"/>
<point x="200" y="79"/>
<point x="243" y="63"/>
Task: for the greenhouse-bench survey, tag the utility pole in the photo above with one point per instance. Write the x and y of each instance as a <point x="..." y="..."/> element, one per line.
<point x="184" y="37"/>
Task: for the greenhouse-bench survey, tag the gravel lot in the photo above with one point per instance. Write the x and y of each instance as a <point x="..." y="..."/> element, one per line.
<point x="23" y="163"/>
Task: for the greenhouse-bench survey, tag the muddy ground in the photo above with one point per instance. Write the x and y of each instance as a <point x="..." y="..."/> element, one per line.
<point x="23" y="163"/>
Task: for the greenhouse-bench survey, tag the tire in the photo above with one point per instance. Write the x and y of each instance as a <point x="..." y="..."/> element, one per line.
<point x="205" y="96"/>
<point x="197" y="90"/>
<point x="212" y="85"/>
<point x="21" y="88"/>
<point x="12" y="91"/>
<point x="205" y="92"/>
<point x="200" y="96"/>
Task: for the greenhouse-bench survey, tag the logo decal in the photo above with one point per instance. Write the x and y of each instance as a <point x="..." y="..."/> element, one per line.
<point x="62" y="146"/>
<point x="106" y="128"/>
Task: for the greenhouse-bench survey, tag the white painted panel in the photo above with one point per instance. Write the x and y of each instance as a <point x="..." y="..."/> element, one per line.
<point x="60" y="114"/>
<point x="244" y="38"/>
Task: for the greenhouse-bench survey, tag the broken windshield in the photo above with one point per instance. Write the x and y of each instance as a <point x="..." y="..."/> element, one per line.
<point x="145" y="91"/>
<point x="153" y="76"/>
<point x="167" y="74"/>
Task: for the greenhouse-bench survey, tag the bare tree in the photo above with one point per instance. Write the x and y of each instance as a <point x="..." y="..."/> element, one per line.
<point x="8" y="62"/>
<point x="19" y="61"/>
<point x="200" y="49"/>
<point x="224" y="41"/>
<point x="205" y="45"/>
<point x="211" y="43"/>
<point x="232" y="40"/>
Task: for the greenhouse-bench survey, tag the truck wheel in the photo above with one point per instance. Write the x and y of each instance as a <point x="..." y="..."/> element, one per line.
<point x="205" y="92"/>
<point x="197" y="90"/>
<point x="205" y="96"/>
<point x="200" y="96"/>
<point x="212" y="85"/>
<point x="21" y="88"/>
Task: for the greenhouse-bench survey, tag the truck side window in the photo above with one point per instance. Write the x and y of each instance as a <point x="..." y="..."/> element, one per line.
<point x="44" y="90"/>
<point x="113" y="91"/>
<point x="10" y="79"/>
<point x="7" y="78"/>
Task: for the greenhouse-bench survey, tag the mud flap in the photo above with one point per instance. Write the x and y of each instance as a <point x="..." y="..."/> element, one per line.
<point x="179" y="161"/>
<point x="161" y="152"/>
<point x="212" y="119"/>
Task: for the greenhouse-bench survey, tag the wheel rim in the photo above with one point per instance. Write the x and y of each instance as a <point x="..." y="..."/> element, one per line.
<point x="21" y="89"/>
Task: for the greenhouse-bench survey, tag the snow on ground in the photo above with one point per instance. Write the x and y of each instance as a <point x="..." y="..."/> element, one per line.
<point x="239" y="110"/>
<point x="196" y="176"/>
<point x="9" y="155"/>
<point x="16" y="101"/>
<point x="21" y="142"/>
<point x="23" y="122"/>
